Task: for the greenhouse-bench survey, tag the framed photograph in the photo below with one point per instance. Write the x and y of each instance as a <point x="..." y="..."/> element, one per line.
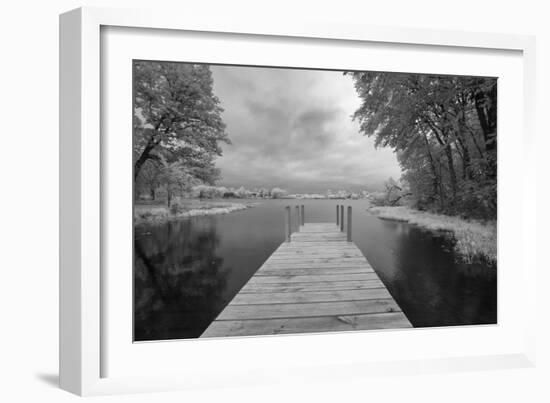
<point x="237" y="197"/>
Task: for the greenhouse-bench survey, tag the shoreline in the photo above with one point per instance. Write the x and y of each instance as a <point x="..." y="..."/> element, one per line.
<point x="474" y="240"/>
<point x="158" y="214"/>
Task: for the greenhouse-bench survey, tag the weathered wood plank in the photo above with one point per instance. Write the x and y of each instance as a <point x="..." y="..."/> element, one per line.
<point x="267" y="271"/>
<point x="321" y="225"/>
<point x="315" y="255"/>
<point x="318" y="231"/>
<point x="273" y="311"/>
<point x="316" y="228"/>
<point x="315" y="251"/>
<point x="332" y="254"/>
<point x="317" y="324"/>
<point x="318" y="234"/>
<point x="313" y="260"/>
<point x="305" y="241"/>
<point x="310" y="259"/>
<point x="308" y="287"/>
<point x="335" y="269"/>
<point x="313" y="278"/>
<point x="316" y="245"/>
<point x="334" y="266"/>
<point x="326" y="254"/>
<point x="310" y="248"/>
<point x="316" y="296"/>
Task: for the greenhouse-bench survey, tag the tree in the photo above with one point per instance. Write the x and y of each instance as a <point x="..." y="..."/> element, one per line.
<point x="149" y="178"/>
<point x="443" y="130"/>
<point x="209" y="192"/>
<point x="176" y="116"/>
<point x="277" y="193"/>
<point x="392" y="190"/>
<point x="242" y="193"/>
<point x="174" y="176"/>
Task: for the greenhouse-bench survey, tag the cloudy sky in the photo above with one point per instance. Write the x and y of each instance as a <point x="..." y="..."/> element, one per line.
<point x="292" y="129"/>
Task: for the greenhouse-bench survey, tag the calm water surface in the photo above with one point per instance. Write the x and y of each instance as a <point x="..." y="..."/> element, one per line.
<point x="187" y="271"/>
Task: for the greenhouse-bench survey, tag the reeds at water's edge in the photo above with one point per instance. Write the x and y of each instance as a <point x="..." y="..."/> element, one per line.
<point x="159" y="214"/>
<point x="474" y="240"/>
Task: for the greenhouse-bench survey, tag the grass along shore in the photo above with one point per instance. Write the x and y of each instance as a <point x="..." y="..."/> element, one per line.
<point x="474" y="239"/>
<point x="149" y="213"/>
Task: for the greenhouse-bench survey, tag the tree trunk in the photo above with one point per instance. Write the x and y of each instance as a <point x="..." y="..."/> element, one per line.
<point x="474" y="140"/>
<point x="145" y="155"/>
<point x="452" y="172"/>
<point x="463" y="143"/>
<point x="466" y="163"/>
<point x="449" y="153"/>
<point x="394" y="202"/>
<point x="168" y="196"/>
<point x="485" y="105"/>
<point x="465" y="156"/>
<point x="436" y="181"/>
<point x="486" y="108"/>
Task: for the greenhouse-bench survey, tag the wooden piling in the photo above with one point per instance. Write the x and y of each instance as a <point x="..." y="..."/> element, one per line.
<point x="298" y="219"/>
<point x="341" y="218"/>
<point x="303" y="216"/>
<point x="337" y="214"/>
<point x="287" y="223"/>
<point x="349" y="223"/>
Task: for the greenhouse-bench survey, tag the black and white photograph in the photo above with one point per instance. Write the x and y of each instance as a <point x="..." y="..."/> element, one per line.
<point x="274" y="200"/>
<point x="243" y="201"/>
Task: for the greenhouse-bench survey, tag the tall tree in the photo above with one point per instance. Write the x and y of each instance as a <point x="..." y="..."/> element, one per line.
<point x="149" y="178"/>
<point x="443" y="129"/>
<point x="176" y="115"/>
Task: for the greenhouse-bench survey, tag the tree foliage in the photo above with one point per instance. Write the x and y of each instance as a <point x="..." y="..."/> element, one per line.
<point x="443" y="130"/>
<point x="277" y="193"/>
<point x="177" y="123"/>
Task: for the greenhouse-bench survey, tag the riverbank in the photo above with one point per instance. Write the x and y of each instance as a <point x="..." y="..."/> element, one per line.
<point x="474" y="240"/>
<point x="159" y="214"/>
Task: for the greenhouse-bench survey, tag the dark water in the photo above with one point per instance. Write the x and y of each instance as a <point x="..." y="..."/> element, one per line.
<point x="187" y="271"/>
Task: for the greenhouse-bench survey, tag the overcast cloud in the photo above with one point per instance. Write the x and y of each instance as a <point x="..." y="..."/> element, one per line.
<point x="292" y="129"/>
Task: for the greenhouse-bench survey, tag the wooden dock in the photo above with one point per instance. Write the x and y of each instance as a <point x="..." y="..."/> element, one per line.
<point x="317" y="281"/>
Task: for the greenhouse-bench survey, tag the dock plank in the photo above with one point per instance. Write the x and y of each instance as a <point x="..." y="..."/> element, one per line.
<point x="267" y="271"/>
<point x="317" y="324"/>
<point x="333" y="258"/>
<point x="317" y="282"/>
<point x="320" y="254"/>
<point x="315" y="296"/>
<point x="274" y="311"/>
<point x="305" y="265"/>
<point x="309" y="287"/>
<point x="312" y="278"/>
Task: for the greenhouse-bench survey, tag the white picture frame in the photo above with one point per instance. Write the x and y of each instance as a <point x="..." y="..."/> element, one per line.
<point x="82" y="308"/>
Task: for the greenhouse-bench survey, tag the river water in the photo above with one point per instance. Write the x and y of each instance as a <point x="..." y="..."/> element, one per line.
<point x="187" y="271"/>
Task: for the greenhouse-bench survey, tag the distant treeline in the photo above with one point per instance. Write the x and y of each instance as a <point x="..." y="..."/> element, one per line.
<point x="158" y="192"/>
<point x="213" y="192"/>
<point x="444" y="132"/>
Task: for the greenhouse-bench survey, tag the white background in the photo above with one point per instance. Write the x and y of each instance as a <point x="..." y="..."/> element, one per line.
<point x="28" y="228"/>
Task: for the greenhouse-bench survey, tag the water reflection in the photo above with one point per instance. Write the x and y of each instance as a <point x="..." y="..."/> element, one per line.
<point x="431" y="286"/>
<point x="187" y="271"/>
<point x="179" y="278"/>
